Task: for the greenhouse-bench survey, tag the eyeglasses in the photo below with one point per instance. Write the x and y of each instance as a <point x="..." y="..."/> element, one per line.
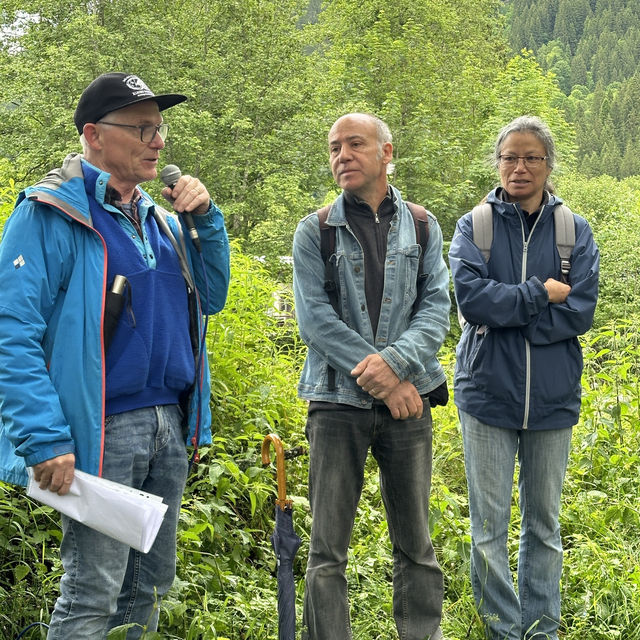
<point x="147" y="131"/>
<point x="530" y="162"/>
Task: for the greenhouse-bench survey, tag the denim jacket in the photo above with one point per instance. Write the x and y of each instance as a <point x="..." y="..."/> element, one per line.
<point x="407" y="339"/>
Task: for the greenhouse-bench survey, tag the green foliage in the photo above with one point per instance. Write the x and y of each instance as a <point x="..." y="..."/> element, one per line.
<point x="244" y="129"/>
<point x="264" y="84"/>
<point x="29" y="564"/>
<point x="601" y="518"/>
<point x="593" y="49"/>
<point x="225" y="559"/>
<point x="266" y="79"/>
<point x="426" y="68"/>
<point x="612" y="207"/>
<point x="226" y="586"/>
<point x="8" y="196"/>
<point x="523" y="88"/>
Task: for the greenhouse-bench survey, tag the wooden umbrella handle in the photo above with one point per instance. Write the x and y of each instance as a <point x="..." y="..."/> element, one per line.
<point x="272" y="438"/>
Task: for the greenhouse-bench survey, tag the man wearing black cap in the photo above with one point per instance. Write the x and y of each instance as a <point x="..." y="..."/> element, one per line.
<point x="120" y="407"/>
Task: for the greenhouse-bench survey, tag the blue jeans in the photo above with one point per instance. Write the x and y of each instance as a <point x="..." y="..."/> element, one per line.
<point x="489" y="452"/>
<point x="339" y="442"/>
<point x="106" y="583"/>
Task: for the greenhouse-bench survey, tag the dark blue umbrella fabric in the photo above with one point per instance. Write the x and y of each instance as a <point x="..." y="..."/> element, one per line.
<point x="285" y="544"/>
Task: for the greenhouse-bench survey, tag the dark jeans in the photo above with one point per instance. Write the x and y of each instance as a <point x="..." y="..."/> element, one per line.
<point x="339" y="443"/>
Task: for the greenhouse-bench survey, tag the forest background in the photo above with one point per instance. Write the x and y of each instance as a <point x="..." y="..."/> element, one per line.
<point x="266" y="79"/>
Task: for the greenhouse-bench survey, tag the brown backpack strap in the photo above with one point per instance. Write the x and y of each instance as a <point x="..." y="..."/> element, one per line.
<point x="421" y="224"/>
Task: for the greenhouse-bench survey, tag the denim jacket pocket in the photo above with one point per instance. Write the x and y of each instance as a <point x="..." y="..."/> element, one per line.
<point x="349" y="265"/>
<point x="404" y="268"/>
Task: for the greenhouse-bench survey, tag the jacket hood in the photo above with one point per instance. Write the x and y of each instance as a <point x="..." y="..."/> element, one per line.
<point x="63" y="188"/>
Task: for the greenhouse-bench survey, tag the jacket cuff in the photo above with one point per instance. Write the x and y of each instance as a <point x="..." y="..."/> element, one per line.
<point x="209" y="216"/>
<point x="398" y="364"/>
<point x="49" y="452"/>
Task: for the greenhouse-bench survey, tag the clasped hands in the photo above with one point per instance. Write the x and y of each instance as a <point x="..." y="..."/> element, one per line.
<point x="379" y="380"/>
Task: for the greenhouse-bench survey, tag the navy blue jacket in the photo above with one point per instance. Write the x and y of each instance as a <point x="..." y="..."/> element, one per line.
<point x="519" y="362"/>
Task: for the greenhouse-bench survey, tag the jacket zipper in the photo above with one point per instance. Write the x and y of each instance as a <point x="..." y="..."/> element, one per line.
<point x="527" y="345"/>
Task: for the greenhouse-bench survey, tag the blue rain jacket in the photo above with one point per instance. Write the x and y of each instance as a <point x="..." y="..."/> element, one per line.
<point x="52" y="367"/>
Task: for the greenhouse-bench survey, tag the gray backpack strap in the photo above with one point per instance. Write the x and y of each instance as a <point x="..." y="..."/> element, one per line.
<point x="565" y="238"/>
<point x="161" y="216"/>
<point x="482" y="218"/>
<point x="482" y="227"/>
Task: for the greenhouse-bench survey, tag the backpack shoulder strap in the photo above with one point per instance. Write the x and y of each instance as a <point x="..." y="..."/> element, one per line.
<point x="161" y="216"/>
<point x="565" y="237"/>
<point x="421" y="224"/>
<point x="327" y="234"/>
<point x="327" y="249"/>
<point x="482" y="220"/>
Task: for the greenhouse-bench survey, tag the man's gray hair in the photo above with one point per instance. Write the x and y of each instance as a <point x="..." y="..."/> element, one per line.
<point x="84" y="143"/>
<point x="384" y="133"/>
<point x="528" y="124"/>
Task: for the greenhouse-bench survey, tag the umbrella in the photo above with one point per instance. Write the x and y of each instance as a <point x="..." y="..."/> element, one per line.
<point x="285" y="544"/>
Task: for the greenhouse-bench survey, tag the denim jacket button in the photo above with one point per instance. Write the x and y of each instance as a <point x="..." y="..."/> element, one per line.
<point x="357" y="269"/>
<point x="362" y="307"/>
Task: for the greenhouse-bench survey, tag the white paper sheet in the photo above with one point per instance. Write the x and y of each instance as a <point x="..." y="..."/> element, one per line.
<point x="118" y="511"/>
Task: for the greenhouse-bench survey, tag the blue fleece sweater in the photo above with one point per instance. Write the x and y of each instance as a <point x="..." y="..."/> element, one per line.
<point x="150" y="360"/>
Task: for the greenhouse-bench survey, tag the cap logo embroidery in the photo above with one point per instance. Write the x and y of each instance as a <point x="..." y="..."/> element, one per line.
<point x="138" y="88"/>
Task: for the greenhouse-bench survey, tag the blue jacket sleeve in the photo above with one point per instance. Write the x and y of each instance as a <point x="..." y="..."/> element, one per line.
<point x="574" y="316"/>
<point x="428" y="328"/>
<point x="320" y="326"/>
<point x="482" y="300"/>
<point x="215" y="254"/>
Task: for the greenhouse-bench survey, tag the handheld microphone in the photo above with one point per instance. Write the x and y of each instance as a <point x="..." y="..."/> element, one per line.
<point x="170" y="176"/>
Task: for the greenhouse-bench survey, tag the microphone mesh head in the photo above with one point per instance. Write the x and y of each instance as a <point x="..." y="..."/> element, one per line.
<point x="170" y="175"/>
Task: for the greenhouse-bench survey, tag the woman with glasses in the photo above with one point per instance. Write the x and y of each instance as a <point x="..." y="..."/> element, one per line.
<point x="517" y="380"/>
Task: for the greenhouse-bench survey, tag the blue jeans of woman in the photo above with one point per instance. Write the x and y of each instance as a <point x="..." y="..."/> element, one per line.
<point x="490" y="453"/>
<point x="339" y="443"/>
<point x="106" y="583"/>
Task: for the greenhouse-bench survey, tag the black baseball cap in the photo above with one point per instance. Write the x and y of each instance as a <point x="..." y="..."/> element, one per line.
<point x="112" y="91"/>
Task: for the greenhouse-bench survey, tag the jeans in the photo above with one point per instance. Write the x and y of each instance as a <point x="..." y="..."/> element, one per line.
<point x="338" y="446"/>
<point x="105" y="582"/>
<point x="489" y="452"/>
